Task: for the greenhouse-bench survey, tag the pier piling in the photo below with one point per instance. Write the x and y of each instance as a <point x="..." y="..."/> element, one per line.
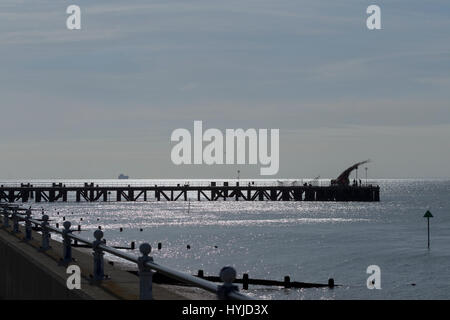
<point x="58" y="192"/>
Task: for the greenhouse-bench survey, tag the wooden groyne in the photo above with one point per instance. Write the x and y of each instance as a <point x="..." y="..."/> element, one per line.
<point x="90" y="192"/>
<point x="246" y="281"/>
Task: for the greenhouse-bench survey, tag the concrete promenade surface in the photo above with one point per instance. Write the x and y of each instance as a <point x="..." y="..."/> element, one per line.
<point x="26" y="273"/>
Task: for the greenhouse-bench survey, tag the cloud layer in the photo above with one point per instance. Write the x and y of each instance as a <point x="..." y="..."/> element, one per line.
<point x="102" y="100"/>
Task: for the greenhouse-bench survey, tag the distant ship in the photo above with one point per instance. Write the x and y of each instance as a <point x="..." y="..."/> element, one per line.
<point x="122" y="176"/>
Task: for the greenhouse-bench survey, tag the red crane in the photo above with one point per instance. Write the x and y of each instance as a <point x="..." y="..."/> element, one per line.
<point x="343" y="179"/>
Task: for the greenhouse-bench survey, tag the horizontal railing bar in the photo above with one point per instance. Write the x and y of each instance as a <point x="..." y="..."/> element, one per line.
<point x="59" y="231"/>
<point x="172" y="273"/>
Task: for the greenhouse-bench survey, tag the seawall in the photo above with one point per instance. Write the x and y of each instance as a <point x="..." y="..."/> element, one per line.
<point x="27" y="273"/>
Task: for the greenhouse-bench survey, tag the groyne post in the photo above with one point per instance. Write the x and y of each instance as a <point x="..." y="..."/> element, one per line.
<point x="145" y="273"/>
<point x="287" y="282"/>
<point x="228" y="275"/>
<point x="98" y="254"/>
<point x="245" y="281"/>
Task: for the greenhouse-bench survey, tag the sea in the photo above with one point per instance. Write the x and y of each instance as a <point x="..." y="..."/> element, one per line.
<point x="307" y="241"/>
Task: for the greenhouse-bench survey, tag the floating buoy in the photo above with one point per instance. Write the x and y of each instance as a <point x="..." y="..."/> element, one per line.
<point x="188" y="247"/>
<point x="159" y="245"/>
<point x="121" y="229"/>
<point x="140" y="230"/>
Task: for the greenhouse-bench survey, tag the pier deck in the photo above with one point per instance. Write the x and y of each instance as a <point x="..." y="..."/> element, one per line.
<point x="90" y="192"/>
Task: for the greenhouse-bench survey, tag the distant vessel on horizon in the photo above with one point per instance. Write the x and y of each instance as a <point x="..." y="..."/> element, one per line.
<point x="122" y="176"/>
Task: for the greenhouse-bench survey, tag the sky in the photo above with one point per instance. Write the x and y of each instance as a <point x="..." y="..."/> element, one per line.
<point x="104" y="100"/>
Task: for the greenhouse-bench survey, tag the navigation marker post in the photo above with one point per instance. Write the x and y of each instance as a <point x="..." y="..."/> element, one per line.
<point x="428" y="215"/>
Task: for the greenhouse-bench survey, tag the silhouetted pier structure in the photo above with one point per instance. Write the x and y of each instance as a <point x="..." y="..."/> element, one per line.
<point x="90" y="192"/>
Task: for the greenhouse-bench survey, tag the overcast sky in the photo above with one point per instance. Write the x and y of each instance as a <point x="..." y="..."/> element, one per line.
<point x="104" y="100"/>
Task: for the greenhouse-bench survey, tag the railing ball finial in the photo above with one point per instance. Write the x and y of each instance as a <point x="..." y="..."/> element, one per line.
<point x="145" y="249"/>
<point x="228" y="275"/>
<point x="67" y="225"/>
<point x="98" y="234"/>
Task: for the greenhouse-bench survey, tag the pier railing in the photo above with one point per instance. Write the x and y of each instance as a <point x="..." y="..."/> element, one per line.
<point x="145" y="263"/>
<point x="164" y="183"/>
<point x="295" y="190"/>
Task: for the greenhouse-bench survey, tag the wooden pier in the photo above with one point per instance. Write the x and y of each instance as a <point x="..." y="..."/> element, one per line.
<point x="90" y="192"/>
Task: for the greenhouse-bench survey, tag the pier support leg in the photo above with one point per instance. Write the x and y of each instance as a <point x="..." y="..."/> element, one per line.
<point x="38" y="196"/>
<point x="273" y="195"/>
<point x="260" y="195"/>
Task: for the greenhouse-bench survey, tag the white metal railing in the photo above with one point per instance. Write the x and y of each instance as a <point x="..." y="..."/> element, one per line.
<point x="145" y="263"/>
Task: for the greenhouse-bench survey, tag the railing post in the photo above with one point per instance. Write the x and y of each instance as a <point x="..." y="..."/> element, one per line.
<point x="15" y="219"/>
<point x="67" y="243"/>
<point x="227" y="274"/>
<point x="5" y="218"/>
<point x="145" y="273"/>
<point x="99" y="273"/>
<point x="45" y="233"/>
<point x="28" y="227"/>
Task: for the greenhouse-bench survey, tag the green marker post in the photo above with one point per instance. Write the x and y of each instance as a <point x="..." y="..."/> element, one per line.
<point x="428" y="215"/>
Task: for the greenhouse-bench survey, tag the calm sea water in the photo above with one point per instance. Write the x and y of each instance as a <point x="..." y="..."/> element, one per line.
<point x="309" y="241"/>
